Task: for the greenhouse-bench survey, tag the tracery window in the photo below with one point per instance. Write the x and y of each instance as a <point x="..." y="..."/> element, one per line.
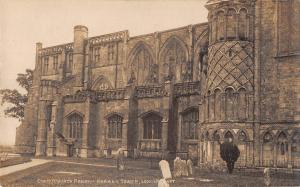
<point x="115" y="127"/>
<point x="75" y="126"/>
<point x="152" y="126"/>
<point x="142" y="66"/>
<point x="190" y="120"/>
<point x="175" y="62"/>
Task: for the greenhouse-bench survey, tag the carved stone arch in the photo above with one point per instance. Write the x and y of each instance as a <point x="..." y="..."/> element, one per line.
<point x="74" y="112"/>
<point x="114" y="114"/>
<point x="173" y="60"/>
<point x="189" y="109"/>
<point x="201" y="56"/>
<point x="243" y="8"/>
<point x="101" y="83"/>
<point x="216" y="136"/>
<point x="229" y="133"/>
<point x="243" y="135"/>
<point x="267" y="137"/>
<point x="150" y="112"/>
<point x="282" y="136"/>
<point x="142" y="68"/>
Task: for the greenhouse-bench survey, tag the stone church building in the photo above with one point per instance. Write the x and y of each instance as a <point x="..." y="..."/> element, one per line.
<point x="179" y="91"/>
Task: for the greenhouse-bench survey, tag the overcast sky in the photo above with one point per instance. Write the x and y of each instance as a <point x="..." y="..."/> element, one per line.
<point x="25" y="22"/>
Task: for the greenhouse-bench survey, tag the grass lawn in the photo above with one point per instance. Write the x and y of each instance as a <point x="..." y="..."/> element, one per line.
<point x="104" y="173"/>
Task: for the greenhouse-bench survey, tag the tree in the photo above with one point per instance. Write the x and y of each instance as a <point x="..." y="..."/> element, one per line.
<point x="16" y="101"/>
<point x="229" y="153"/>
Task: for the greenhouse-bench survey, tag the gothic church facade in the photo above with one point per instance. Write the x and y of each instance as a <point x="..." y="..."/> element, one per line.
<point x="180" y="91"/>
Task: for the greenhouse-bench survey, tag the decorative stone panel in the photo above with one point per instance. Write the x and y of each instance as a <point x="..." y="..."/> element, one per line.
<point x="230" y="64"/>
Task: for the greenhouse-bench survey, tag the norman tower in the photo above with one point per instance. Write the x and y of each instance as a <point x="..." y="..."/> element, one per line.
<point x="229" y="86"/>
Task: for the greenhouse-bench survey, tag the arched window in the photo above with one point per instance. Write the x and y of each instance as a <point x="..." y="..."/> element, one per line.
<point x="190" y="121"/>
<point x="243" y="24"/>
<point x="75" y="126"/>
<point x="141" y="64"/>
<point x="217" y="99"/>
<point x="152" y="126"/>
<point x="282" y="143"/>
<point x="231" y="24"/>
<point x="242" y="104"/>
<point x="115" y="127"/>
<point x="221" y="26"/>
<point x="229" y="103"/>
<point x="175" y="61"/>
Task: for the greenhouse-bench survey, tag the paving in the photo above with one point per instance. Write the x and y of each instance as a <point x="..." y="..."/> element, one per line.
<point x="19" y="167"/>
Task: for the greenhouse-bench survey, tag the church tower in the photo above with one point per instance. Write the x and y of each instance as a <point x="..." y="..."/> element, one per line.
<point x="229" y="90"/>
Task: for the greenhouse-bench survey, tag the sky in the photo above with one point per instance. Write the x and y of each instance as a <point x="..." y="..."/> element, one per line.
<point x="23" y="23"/>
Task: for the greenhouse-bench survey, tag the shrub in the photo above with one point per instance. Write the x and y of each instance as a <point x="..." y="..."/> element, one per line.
<point x="229" y="153"/>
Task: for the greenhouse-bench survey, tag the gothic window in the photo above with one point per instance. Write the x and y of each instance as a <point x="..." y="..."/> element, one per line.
<point x="143" y="67"/>
<point x="55" y="63"/>
<point x="75" y="126"/>
<point x="111" y="52"/>
<point x="175" y="62"/>
<point x="190" y="124"/>
<point x="243" y="24"/>
<point x="115" y="127"/>
<point x="231" y="24"/>
<point x="220" y="26"/>
<point x="46" y="65"/>
<point x="282" y="143"/>
<point x="97" y="54"/>
<point x="152" y="126"/>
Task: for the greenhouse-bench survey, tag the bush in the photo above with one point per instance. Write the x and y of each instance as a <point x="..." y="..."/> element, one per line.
<point x="229" y="153"/>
